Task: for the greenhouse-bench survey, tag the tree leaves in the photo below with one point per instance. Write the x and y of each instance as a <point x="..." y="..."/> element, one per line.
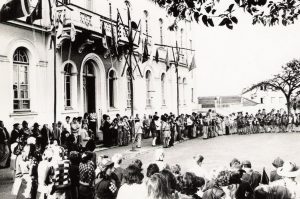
<point x="230" y="8"/>
<point x="196" y="16"/>
<point x="266" y="12"/>
<point x="210" y="22"/>
<point x="204" y="20"/>
<point x="224" y="22"/>
<point x="234" y="20"/>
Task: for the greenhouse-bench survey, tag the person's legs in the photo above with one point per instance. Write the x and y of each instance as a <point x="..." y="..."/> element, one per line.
<point x="139" y="140"/>
<point x="4" y="154"/>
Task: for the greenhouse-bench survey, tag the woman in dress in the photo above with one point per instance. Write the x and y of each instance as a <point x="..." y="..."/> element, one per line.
<point x="166" y="131"/>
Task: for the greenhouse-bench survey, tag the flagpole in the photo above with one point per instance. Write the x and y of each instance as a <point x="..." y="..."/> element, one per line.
<point x="54" y="70"/>
<point x="177" y="77"/>
<point x="130" y="53"/>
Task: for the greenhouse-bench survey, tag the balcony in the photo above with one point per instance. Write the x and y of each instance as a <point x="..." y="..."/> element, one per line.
<point x="86" y="20"/>
<point x="82" y="18"/>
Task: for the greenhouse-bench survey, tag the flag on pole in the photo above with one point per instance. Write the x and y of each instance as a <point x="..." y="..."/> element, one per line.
<point x="104" y="39"/>
<point x="122" y="38"/>
<point x="145" y="52"/>
<point x="14" y="9"/>
<point x="129" y="23"/>
<point x="156" y="56"/>
<point x="193" y="64"/>
<point x="167" y="61"/>
<point x="72" y="32"/>
<point x="36" y="13"/>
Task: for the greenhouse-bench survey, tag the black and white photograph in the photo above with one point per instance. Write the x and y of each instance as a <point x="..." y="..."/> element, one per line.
<point x="149" y="99"/>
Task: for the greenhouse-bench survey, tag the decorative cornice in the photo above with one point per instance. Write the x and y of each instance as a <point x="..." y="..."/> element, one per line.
<point x="3" y="58"/>
<point x="42" y="64"/>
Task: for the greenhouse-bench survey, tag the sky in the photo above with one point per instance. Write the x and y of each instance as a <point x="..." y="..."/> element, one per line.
<point x="230" y="60"/>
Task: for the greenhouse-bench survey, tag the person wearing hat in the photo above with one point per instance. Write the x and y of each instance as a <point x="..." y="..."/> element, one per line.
<point x="287" y="187"/>
<point x="278" y="162"/>
<point x="25" y="130"/>
<point x="35" y="130"/>
<point x="15" y="133"/>
<point x="105" y="187"/>
<point x="250" y="176"/>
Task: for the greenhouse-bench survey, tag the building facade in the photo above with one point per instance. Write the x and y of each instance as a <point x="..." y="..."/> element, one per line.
<point x="226" y="105"/>
<point x="87" y="78"/>
<point x="267" y="98"/>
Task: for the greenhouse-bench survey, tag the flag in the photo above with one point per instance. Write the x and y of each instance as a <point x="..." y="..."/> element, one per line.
<point x="193" y="64"/>
<point x="114" y="45"/>
<point x="145" y="52"/>
<point x="36" y="13"/>
<point x="265" y="178"/>
<point x="129" y="23"/>
<point x="156" y="56"/>
<point x="104" y="40"/>
<point x="122" y="38"/>
<point x="167" y="61"/>
<point x="72" y="32"/>
<point x="14" y="9"/>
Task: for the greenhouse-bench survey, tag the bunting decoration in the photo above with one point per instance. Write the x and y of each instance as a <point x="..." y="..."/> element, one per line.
<point x="193" y="64"/>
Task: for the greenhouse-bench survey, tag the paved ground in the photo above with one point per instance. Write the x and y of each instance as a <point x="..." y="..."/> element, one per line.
<point x="260" y="149"/>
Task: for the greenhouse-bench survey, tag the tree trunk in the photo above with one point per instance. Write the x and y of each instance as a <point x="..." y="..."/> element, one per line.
<point x="288" y="105"/>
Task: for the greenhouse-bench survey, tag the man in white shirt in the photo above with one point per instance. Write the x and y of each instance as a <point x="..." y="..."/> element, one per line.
<point x="67" y="124"/>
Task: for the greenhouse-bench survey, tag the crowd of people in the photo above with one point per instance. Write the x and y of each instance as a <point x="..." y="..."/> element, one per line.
<point x="60" y="174"/>
<point x="60" y="162"/>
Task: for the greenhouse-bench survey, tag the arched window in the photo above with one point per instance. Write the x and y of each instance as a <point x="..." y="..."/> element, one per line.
<point x="163" y="82"/>
<point x="67" y="85"/>
<point x="184" y="90"/>
<point x="128" y="76"/>
<point x="148" y="91"/>
<point x="161" y="23"/>
<point x="111" y="87"/>
<point x="20" y="80"/>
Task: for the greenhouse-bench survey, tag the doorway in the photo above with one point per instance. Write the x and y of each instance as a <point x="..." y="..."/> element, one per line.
<point x="89" y="88"/>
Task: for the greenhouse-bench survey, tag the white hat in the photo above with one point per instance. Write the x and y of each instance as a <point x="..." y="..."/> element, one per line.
<point x="289" y="169"/>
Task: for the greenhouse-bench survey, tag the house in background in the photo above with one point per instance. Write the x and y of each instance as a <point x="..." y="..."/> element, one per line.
<point x="267" y="98"/>
<point x="226" y="105"/>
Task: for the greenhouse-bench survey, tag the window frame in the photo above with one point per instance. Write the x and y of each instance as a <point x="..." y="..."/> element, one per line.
<point x="68" y="74"/>
<point x="21" y="59"/>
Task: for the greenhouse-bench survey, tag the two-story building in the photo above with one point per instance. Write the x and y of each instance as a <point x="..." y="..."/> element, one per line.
<point x="87" y="78"/>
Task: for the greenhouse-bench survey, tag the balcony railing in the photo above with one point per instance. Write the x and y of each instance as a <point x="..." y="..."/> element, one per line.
<point x="82" y="18"/>
<point x="91" y="21"/>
